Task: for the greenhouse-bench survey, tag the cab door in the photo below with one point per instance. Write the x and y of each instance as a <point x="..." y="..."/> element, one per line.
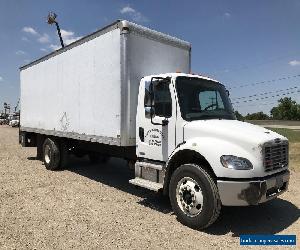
<point x="156" y="133"/>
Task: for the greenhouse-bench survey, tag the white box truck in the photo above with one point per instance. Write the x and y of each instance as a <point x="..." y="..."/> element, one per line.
<point x="110" y="94"/>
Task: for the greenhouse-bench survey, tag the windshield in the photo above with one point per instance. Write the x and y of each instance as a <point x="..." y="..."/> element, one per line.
<point x="201" y="99"/>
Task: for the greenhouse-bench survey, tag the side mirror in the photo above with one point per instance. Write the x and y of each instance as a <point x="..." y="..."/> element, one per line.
<point x="149" y="112"/>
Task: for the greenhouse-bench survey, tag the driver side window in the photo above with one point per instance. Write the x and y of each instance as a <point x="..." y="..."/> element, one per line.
<point x="162" y="100"/>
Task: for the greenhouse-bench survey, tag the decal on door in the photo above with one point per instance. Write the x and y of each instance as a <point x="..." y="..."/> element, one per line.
<point x="154" y="137"/>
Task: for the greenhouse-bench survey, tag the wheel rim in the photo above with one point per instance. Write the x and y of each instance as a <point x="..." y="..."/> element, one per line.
<point x="189" y="196"/>
<point x="47" y="154"/>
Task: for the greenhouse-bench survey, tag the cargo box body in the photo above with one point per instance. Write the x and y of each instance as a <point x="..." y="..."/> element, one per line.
<point x="89" y="89"/>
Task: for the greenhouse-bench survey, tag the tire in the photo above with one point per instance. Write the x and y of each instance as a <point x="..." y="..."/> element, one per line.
<point x="97" y="158"/>
<point x="51" y="154"/>
<point x="194" y="196"/>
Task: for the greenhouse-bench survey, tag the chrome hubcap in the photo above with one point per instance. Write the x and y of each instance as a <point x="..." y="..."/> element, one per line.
<point x="189" y="196"/>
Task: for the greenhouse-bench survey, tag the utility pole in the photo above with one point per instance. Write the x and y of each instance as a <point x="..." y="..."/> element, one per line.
<point x="6" y="107"/>
<point x="51" y="20"/>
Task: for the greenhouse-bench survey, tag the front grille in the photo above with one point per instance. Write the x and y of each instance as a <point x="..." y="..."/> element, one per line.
<point x="276" y="155"/>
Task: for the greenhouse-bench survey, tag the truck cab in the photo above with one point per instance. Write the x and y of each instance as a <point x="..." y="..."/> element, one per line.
<point x="190" y="145"/>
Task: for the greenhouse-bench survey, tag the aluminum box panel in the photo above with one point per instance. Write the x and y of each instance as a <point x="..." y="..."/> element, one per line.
<point x="88" y="90"/>
<point x="76" y="91"/>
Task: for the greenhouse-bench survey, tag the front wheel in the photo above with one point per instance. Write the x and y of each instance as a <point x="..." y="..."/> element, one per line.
<point x="194" y="196"/>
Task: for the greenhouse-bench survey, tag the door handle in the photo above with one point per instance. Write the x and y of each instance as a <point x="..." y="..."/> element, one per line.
<point x="141" y="134"/>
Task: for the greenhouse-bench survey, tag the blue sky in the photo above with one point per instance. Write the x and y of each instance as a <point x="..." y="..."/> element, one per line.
<point x="236" y="42"/>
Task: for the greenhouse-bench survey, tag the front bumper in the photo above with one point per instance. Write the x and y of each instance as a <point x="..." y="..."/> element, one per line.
<point x="253" y="191"/>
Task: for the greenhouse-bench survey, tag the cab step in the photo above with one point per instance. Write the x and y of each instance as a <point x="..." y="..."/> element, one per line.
<point x="154" y="186"/>
<point x="157" y="166"/>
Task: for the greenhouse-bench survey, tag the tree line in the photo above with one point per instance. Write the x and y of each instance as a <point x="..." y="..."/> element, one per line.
<point x="287" y="109"/>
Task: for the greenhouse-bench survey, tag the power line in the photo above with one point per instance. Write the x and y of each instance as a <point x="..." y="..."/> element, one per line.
<point x="267" y="97"/>
<point x="258" y="100"/>
<point x="255" y="105"/>
<point x="263" y="82"/>
<point x="265" y="93"/>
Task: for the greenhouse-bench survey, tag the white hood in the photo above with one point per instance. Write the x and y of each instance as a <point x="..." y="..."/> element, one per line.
<point x="214" y="138"/>
<point x="231" y="130"/>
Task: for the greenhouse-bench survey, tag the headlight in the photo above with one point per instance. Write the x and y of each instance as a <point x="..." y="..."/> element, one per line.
<point x="234" y="162"/>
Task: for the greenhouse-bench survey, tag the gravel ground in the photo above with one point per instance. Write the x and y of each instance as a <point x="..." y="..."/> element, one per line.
<point x="94" y="206"/>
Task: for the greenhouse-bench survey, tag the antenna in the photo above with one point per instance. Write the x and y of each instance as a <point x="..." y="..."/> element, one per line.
<point x="51" y="19"/>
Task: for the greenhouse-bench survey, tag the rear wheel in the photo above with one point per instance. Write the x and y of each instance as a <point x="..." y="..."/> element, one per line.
<point x="51" y="154"/>
<point x="194" y="196"/>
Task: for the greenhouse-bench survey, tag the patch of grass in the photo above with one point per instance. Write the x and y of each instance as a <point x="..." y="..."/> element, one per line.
<point x="292" y="135"/>
<point x="295" y="156"/>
